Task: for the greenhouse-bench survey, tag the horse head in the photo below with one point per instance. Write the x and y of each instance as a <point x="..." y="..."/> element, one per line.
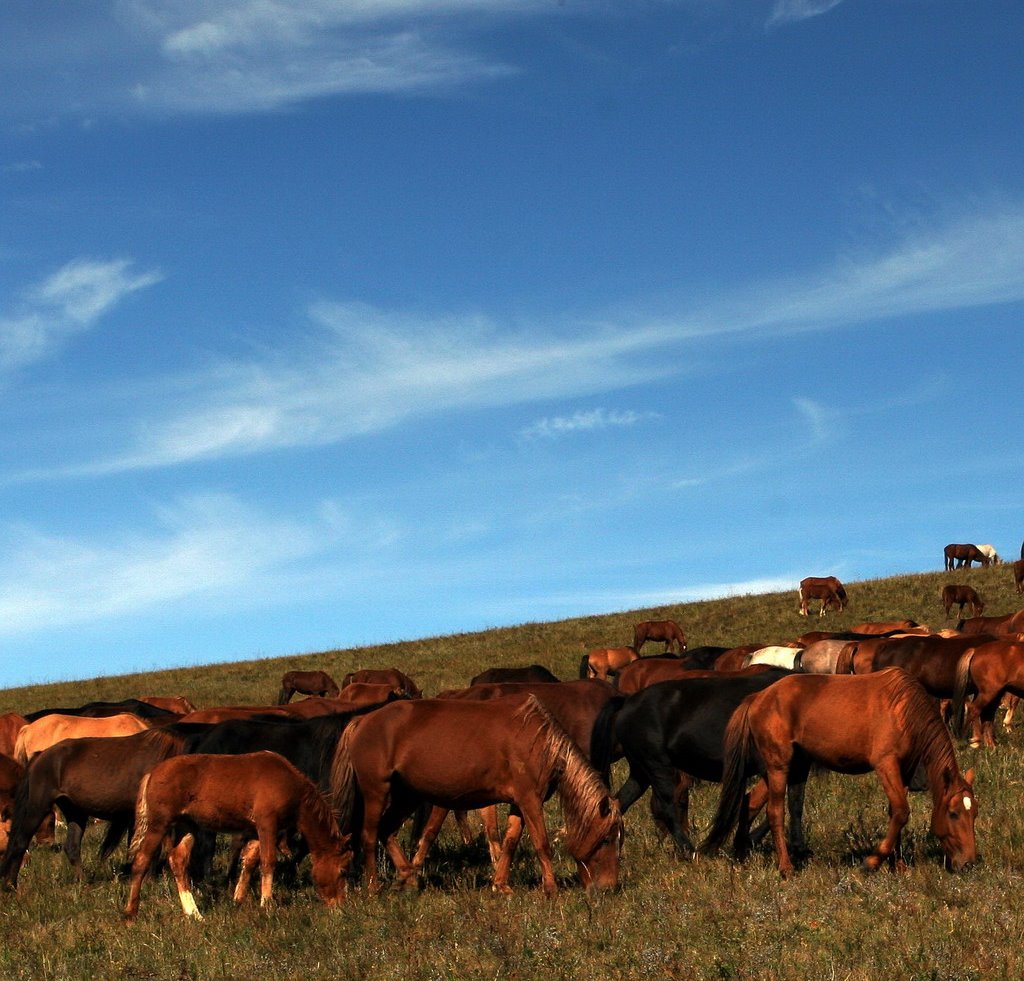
<point x="597" y="859"/>
<point x="953" y="815"/>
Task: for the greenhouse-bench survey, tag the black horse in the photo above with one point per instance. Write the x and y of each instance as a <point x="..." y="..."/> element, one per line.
<point x="670" y="734"/>
<point x="103" y="709"/>
<point x="499" y="676"/>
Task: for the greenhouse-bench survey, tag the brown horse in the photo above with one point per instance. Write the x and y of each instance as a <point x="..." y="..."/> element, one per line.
<point x="259" y="792"/>
<point x="884" y="722"/>
<point x="960" y="556"/>
<point x="306" y="708"/>
<point x="574" y="705"/>
<point x="383" y="676"/>
<point x="468" y="754"/>
<point x="646" y="672"/>
<point x="664" y="630"/>
<point x="96" y="776"/>
<point x="10" y="725"/>
<point x="828" y="589"/>
<point x="603" y="661"/>
<point x="1018" y="575"/>
<point x="178" y="704"/>
<point x="1008" y="623"/>
<point x="11" y="773"/>
<point x="955" y="594"/>
<point x="306" y="683"/>
<point x="50" y="729"/>
<point x="736" y="658"/>
<point x="992" y="669"/>
<point x="885" y="626"/>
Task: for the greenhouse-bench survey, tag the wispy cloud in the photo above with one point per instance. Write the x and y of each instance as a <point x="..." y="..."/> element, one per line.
<point x="586" y="420"/>
<point x="817" y="417"/>
<point x="202" y="548"/>
<point x="66" y="303"/>
<point x="364" y="370"/>
<point x="787" y="11"/>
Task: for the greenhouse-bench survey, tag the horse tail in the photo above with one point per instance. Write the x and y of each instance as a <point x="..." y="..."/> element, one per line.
<point x="844" y="663"/>
<point x="603" y="744"/>
<point x="26" y="820"/>
<point x="585" y="666"/>
<point x="960" y="686"/>
<point x="141" y="817"/>
<point x="20" y="747"/>
<point x="343" y="784"/>
<point x="739" y="753"/>
<point x="283" y="695"/>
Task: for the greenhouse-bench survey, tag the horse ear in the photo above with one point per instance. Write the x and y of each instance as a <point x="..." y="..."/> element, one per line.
<point x="969" y="777"/>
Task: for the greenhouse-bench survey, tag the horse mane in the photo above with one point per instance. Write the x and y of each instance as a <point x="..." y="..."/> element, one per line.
<point x="916" y="711"/>
<point x="343" y="778"/>
<point x="581" y="792"/>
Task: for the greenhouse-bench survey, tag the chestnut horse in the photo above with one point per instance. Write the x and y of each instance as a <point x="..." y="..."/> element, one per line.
<point x="884" y="722"/>
<point x="383" y="676"/>
<point x="1018" y="575"/>
<point x="11" y="773"/>
<point x="885" y="626"/>
<point x="306" y="683"/>
<point x="959" y="556"/>
<point x="664" y="630"/>
<point x="828" y="589"/>
<point x="50" y="729"/>
<point x="178" y="704"/>
<point x="991" y="669"/>
<point x="603" y="661"/>
<point x="468" y="754"/>
<point x="252" y="791"/>
<point x="955" y="594"/>
<point x="10" y="725"/>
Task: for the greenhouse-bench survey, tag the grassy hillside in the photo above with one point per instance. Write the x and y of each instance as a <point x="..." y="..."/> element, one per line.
<point x="670" y="919"/>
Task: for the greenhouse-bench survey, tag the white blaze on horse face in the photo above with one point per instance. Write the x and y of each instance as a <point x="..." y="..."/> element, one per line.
<point x="967" y="803"/>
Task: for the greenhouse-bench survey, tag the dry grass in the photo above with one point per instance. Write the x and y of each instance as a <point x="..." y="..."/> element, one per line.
<point x="709" y="919"/>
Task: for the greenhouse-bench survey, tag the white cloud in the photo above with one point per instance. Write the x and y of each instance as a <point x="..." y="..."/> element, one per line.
<point x="587" y="420"/>
<point x="68" y="302"/>
<point x="787" y="11"/>
<point x="817" y="417"/>
<point x="203" y="548"/>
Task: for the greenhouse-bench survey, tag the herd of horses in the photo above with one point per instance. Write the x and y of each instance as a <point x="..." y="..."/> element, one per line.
<point x="337" y="775"/>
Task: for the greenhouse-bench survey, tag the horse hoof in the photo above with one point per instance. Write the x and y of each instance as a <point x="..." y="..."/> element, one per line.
<point x="504" y="890"/>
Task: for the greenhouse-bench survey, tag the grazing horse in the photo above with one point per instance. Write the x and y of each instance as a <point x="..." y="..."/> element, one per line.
<point x="828" y="589"/>
<point x="306" y="683"/>
<point x="954" y="594"/>
<point x="383" y="676"/>
<point x="497" y="676"/>
<point x="1018" y="575"/>
<point x="671" y="734"/>
<point x="363" y="695"/>
<point x="665" y="630"/>
<point x="777" y="656"/>
<point x="50" y="729"/>
<point x="991" y="669"/>
<point x="468" y="754"/>
<point x="960" y="556"/>
<point x="603" y="661"/>
<point x="884" y="722"/>
<point x="95" y="776"/>
<point x="1009" y="623"/>
<point x="177" y="704"/>
<point x="253" y="791"/>
<point x="990" y="552"/>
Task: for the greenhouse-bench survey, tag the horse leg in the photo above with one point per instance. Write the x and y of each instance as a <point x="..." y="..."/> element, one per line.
<point x="267" y="834"/>
<point x="177" y="861"/>
<point x="513" y="832"/>
<point x="665" y="790"/>
<point x="247" y="861"/>
<point x="1010" y="701"/>
<point x="76" y="820"/>
<point x="489" y="816"/>
<point x="777" y="779"/>
<point x="533" y="816"/>
<point x="799" y="770"/>
<point x="428" y="837"/>
<point x="632" y="790"/>
<point x="465" y="829"/>
<point x="888" y="771"/>
<point x="141" y="864"/>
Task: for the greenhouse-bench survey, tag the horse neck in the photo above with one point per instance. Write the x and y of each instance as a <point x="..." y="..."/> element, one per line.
<point x="316" y="823"/>
<point x="937" y="758"/>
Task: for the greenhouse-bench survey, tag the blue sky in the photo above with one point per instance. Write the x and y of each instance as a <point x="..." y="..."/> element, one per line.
<point x="330" y="323"/>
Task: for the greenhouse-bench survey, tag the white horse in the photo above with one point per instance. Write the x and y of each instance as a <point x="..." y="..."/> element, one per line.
<point x="990" y="553"/>
<point x="777" y="656"/>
